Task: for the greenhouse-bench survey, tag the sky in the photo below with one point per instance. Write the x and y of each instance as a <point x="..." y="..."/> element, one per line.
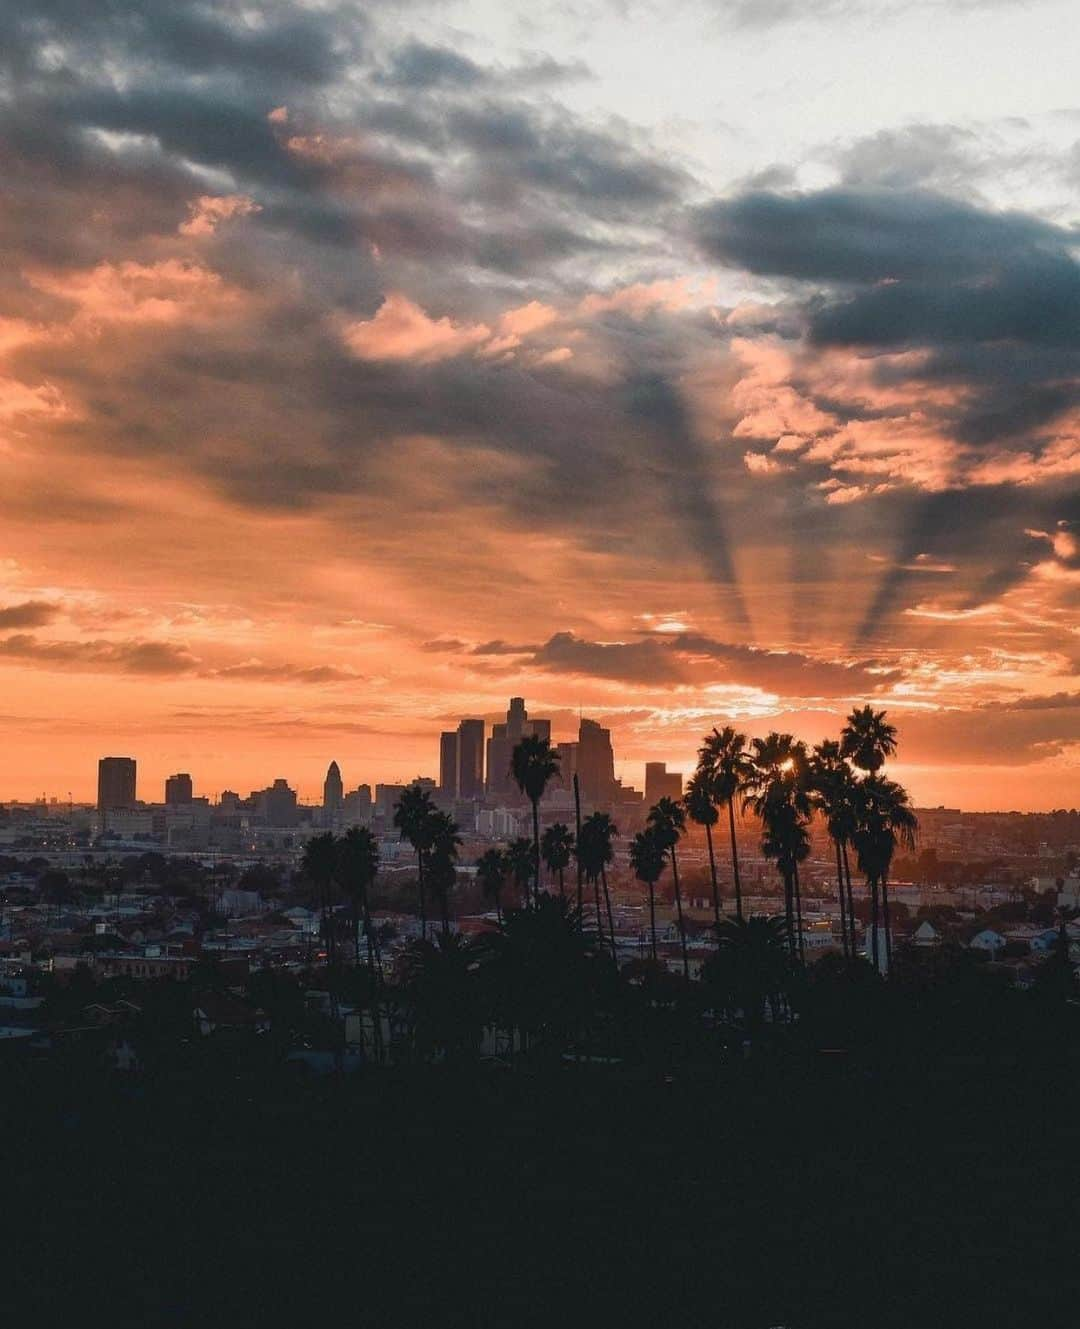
<point x="675" y="364"/>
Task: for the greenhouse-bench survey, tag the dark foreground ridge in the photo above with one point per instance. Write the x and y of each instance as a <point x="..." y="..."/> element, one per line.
<point x="803" y="1191"/>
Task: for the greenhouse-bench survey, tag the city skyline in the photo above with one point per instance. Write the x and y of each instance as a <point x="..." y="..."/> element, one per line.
<point x="358" y="373"/>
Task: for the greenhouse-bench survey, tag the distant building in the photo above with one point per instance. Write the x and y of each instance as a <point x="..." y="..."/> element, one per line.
<point x="470" y="753"/>
<point x="116" y="783"/>
<point x="448" y="763"/>
<point x="356" y="808"/>
<point x="386" y="795"/>
<point x="661" y="783"/>
<point x="500" y="746"/>
<point x="595" y="763"/>
<point x="179" y="789"/>
<point x="333" y="794"/>
<point x="277" y="805"/>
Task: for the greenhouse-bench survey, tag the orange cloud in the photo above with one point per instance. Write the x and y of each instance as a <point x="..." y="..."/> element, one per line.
<point x="401" y="330"/>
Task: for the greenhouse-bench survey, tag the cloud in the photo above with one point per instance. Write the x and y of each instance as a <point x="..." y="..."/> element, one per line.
<point x="29" y="614"/>
<point x="125" y="657"/>
<point x="401" y="330"/>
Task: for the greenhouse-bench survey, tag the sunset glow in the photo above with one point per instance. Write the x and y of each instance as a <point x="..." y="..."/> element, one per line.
<point x="361" y="370"/>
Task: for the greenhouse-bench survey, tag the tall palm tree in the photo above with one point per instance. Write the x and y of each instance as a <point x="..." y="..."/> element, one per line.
<point x="414" y="814"/>
<point x="357" y="867"/>
<point x="534" y="765"/>
<point x="519" y="855"/>
<point x="833" y="792"/>
<point x="750" y="967"/>
<point x="777" y="791"/>
<point x="445" y="842"/>
<point x="868" y="739"/>
<point x="492" y="869"/>
<point x="648" y="858"/>
<point x="596" y="850"/>
<point x="557" y="849"/>
<point x="884" y="820"/>
<point x="701" y="809"/>
<point x="319" y="865"/>
<point x="725" y="763"/>
<point x="667" y="819"/>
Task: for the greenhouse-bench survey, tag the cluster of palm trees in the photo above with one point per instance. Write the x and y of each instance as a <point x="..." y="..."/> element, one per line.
<point x="776" y="778"/>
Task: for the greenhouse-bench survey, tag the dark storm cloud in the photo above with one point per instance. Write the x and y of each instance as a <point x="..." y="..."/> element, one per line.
<point x="29" y="614"/>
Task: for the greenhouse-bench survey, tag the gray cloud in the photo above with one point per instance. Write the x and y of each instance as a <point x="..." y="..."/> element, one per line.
<point x="29" y="614"/>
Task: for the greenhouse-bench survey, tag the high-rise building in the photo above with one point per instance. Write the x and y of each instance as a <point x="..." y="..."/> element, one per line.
<point x="470" y="753"/>
<point x="179" y="789"/>
<point x="595" y="762"/>
<point x="661" y="783"/>
<point x="277" y="805"/>
<point x="116" y="783"/>
<point x="356" y="809"/>
<point x="504" y="738"/>
<point x="333" y="794"/>
<point x="448" y="763"/>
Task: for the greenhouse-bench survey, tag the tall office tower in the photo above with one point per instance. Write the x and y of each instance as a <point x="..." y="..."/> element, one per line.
<point x="356" y="809"/>
<point x="661" y="783"/>
<point x="333" y="793"/>
<point x="541" y="728"/>
<point x="568" y="764"/>
<point x="179" y="789"/>
<point x="448" y="763"/>
<point x="504" y="738"/>
<point x="516" y="719"/>
<point x="279" y="804"/>
<point x="596" y="762"/>
<point x="470" y="746"/>
<point x="115" y="783"/>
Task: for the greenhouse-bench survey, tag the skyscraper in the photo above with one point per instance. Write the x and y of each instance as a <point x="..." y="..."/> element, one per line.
<point x="595" y="762"/>
<point x="661" y="783"/>
<point x="448" y="763"/>
<point x="333" y="794"/>
<point x="470" y="752"/>
<point x="179" y="789"/>
<point x="116" y="783"/>
<point x="504" y="738"/>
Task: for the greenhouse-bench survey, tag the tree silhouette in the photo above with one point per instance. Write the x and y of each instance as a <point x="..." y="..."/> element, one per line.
<point x="557" y="849"/>
<point x="833" y="792"/>
<point x="595" y="851"/>
<point x="778" y="792"/>
<point x="884" y="820"/>
<point x="533" y="765"/>
<point x="358" y="866"/>
<point x="868" y="739"/>
<point x="648" y="858"/>
<point x="414" y="814"/>
<point x="701" y="809"/>
<point x="492" y="869"/>
<point x="519" y="856"/>
<point x="667" y="821"/>
<point x="724" y="762"/>
<point x="442" y="861"/>
<point x="319" y="864"/>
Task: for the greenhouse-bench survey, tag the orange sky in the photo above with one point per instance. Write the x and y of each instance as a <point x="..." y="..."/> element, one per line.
<point x="335" y="408"/>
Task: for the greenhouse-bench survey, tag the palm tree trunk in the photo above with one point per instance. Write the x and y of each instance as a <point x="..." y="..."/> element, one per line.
<point x="840" y="896"/>
<point x="577" y="842"/>
<point x="652" y="918"/>
<point x="443" y="910"/>
<point x="562" y="884"/>
<point x="423" y="900"/>
<point x="850" y="897"/>
<point x="536" y="849"/>
<point x="885" y="923"/>
<point x="678" y="910"/>
<point x="874" y="922"/>
<point x="610" y="920"/>
<point x="356" y="929"/>
<point x="798" y="912"/>
<point x="735" y="861"/>
<point x="712" y="874"/>
<point x="376" y="975"/>
<point x="789" y="911"/>
<point x="599" y="915"/>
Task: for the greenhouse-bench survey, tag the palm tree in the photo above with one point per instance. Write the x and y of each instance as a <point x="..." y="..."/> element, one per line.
<point x="357" y="867"/>
<point x="833" y="792"/>
<point x="667" y="819"/>
<point x="319" y="864"/>
<point x="701" y="809"/>
<point x="413" y="817"/>
<point x="648" y="858"/>
<point x="556" y="849"/>
<point x="884" y="820"/>
<point x="777" y="790"/>
<point x="595" y="851"/>
<point x="724" y="762"/>
<point x="750" y="966"/>
<point x="519" y="856"/>
<point x="534" y="765"/>
<point x="492" y="869"/>
<point x="868" y="739"/>
<point x="445" y="842"/>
